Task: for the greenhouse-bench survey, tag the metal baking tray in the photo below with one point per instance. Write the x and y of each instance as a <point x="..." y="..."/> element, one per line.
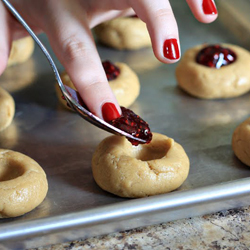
<point x="63" y="144"/>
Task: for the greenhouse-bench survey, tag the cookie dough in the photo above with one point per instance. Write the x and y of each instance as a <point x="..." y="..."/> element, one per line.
<point x="123" y="33"/>
<point x="126" y="86"/>
<point x="138" y="171"/>
<point x="23" y="184"/>
<point x="241" y="142"/>
<point x="21" y="50"/>
<point x="18" y="78"/>
<point x="7" y="109"/>
<point x="9" y="137"/>
<point x="210" y="83"/>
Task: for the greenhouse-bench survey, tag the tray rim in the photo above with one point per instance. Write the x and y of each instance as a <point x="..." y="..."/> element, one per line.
<point x="126" y="210"/>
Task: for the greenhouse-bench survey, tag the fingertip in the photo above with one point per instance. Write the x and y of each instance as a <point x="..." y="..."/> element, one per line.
<point x="162" y="28"/>
<point x="208" y="7"/>
<point x="208" y="18"/>
<point x="167" y="50"/>
<point x="205" y="11"/>
<point x="110" y="111"/>
<point x="171" y="50"/>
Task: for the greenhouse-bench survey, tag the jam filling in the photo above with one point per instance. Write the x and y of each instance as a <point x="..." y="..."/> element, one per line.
<point x="112" y="71"/>
<point x="215" y="56"/>
<point x="133" y="125"/>
<point x="128" y="121"/>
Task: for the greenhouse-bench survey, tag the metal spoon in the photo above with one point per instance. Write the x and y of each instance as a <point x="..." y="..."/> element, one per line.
<point x="71" y="96"/>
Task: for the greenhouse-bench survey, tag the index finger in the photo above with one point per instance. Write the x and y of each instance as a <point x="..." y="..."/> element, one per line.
<point x="72" y="41"/>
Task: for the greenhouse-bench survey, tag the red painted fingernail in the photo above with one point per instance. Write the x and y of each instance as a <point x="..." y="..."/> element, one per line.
<point x="171" y="49"/>
<point x="209" y="7"/>
<point x="109" y="111"/>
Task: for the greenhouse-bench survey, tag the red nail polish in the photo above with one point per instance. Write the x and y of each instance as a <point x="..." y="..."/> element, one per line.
<point x="209" y="7"/>
<point x="171" y="49"/>
<point x="109" y="111"/>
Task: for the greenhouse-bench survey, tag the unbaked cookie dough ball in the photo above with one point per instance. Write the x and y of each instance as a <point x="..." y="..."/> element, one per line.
<point x="7" y="109"/>
<point x="15" y="79"/>
<point x="123" y="33"/>
<point x="138" y="171"/>
<point x="241" y="142"/>
<point x="23" y="184"/>
<point x="9" y="137"/>
<point x="122" y="79"/>
<point x="214" y="71"/>
<point x="21" y="50"/>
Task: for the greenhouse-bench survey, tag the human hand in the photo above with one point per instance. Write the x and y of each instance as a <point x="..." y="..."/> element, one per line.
<point x="68" y="26"/>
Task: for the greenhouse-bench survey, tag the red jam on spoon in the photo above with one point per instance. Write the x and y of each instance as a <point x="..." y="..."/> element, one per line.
<point x="134" y="125"/>
<point x="128" y="121"/>
<point x="215" y="56"/>
<point x="112" y="71"/>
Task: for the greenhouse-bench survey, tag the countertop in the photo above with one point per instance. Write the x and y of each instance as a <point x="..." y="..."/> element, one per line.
<point x="229" y="229"/>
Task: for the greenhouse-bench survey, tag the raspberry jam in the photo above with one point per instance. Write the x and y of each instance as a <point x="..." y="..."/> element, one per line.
<point x="128" y="121"/>
<point x="112" y="71"/>
<point x="134" y="125"/>
<point x="215" y="56"/>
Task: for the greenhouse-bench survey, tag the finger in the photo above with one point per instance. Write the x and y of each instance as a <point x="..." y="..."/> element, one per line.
<point x="4" y="38"/>
<point x="108" y="15"/>
<point x="162" y="27"/>
<point x="107" y="10"/>
<point x="204" y="10"/>
<point x="74" y="46"/>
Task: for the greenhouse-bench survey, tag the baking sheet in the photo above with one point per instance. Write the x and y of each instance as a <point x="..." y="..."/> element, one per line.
<point x="63" y="144"/>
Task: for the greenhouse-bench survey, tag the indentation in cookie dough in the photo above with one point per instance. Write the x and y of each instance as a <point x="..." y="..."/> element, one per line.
<point x="152" y="152"/>
<point x="10" y="170"/>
